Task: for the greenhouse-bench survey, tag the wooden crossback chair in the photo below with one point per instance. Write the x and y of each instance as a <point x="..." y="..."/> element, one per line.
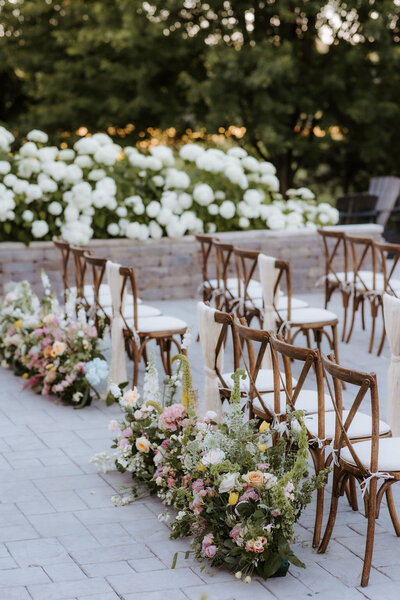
<point x="337" y="276"/>
<point x="366" y="460"/>
<point x="228" y="287"/>
<point x="138" y="332"/>
<point x="250" y="303"/>
<point x="367" y="282"/>
<point x="308" y="395"/>
<point x="98" y="268"/>
<point x="391" y="283"/>
<point x="83" y="298"/>
<point x="65" y="250"/>
<point x="206" y="246"/>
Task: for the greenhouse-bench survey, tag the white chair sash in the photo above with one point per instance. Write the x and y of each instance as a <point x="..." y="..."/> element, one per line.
<point x="268" y="277"/>
<point x="209" y="332"/>
<point x="391" y="313"/>
<point x="118" y="359"/>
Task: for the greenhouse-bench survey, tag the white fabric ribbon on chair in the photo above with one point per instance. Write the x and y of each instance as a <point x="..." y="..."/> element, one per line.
<point x="209" y="332"/>
<point x="118" y="359"/>
<point x="391" y="315"/>
<point x="268" y="277"/>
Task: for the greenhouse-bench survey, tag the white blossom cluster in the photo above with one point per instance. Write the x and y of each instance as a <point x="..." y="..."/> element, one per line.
<point x="99" y="189"/>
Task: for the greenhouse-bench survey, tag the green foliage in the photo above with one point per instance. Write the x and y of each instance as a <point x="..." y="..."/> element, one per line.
<point x="314" y="84"/>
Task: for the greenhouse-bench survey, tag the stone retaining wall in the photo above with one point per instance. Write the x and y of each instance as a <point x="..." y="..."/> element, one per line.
<point x="166" y="268"/>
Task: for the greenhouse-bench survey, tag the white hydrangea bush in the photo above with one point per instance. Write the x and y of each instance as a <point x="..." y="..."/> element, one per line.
<point x="99" y="189"/>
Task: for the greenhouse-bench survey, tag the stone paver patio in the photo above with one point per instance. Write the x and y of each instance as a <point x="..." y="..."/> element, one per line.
<point x="62" y="539"/>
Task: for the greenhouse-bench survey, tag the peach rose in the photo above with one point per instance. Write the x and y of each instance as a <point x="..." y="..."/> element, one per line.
<point x="130" y="397"/>
<point x="254" y="478"/>
<point x="143" y="444"/>
<point x="58" y="348"/>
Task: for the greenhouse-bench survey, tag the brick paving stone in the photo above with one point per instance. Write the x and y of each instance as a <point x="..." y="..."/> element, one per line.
<point x="45" y="551"/>
<point x="60" y="591"/>
<point x="56" y="514"/>
<point x="109" y="568"/>
<point x="22" y="577"/>
<point x="159" y="580"/>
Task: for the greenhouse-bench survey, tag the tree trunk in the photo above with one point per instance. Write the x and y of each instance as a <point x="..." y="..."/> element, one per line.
<point x="285" y="172"/>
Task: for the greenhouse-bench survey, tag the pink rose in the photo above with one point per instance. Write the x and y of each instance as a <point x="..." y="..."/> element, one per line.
<point x="123" y="443"/>
<point x="127" y="432"/>
<point x="235" y="532"/>
<point x="276" y="512"/>
<point x="210" y="551"/>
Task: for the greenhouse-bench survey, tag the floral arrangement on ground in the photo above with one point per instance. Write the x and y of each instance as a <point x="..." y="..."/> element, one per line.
<point x="56" y="351"/>
<point x="237" y="487"/>
<point x="99" y="189"/>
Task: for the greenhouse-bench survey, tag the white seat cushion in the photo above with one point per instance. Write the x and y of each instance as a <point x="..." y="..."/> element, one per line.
<point x="160" y="323"/>
<point x="254" y="288"/>
<point x="309" y="315"/>
<point x="281" y="305"/>
<point x="361" y="426"/>
<point x="264" y="381"/>
<point x="307" y="401"/>
<point x="144" y="310"/>
<point x="105" y="295"/>
<point x="388" y="456"/>
<point x="367" y="278"/>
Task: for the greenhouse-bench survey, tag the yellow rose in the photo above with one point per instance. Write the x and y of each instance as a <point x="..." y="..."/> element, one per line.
<point x="143" y="444"/>
<point x="233" y="498"/>
<point x="25" y="376"/>
<point x="201" y="467"/>
<point x="58" y="348"/>
<point x="254" y="478"/>
<point x="131" y="396"/>
<point x="264" y="427"/>
<point x="18" y="324"/>
<point x="262" y="447"/>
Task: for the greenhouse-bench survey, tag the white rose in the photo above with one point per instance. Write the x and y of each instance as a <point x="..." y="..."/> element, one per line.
<point x="250" y="163"/>
<point x="142" y="444"/>
<point x="66" y="154"/>
<point x="155" y="230"/>
<point x="229" y="482"/>
<point x="266" y="168"/>
<point x="213" y="457"/>
<point x="164" y="154"/>
<point x="158" y="180"/>
<point x="39" y="229"/>
<point x="107" y="155"/>
<point x="237" y="152"/>
<point x="177" y="179"/>
<point x="9" y="180"/>
<point x="191" y="152"/>
<point x="203" y="194"/>
<point x="36" y="135"/>
<point x="84" y="161"/>
<point x="97" y="174"/>
<point x="28" y="166"/>
<point x="73" y="174"/>
<point x="28" y="150"/>
<point x="55" y="208"/>
<point x="47" y="184"/>
<point x="122" y="211"/>
<point x="276" y="221"/>
<point x="153" y="209"/>
<point x="113" y="229"/>
<point x="227" y="209"/>
<point x="185" y="200"/>
<point x="86" y="145"/>
<point x="271" y="181"/>
<point x="102" y="139"/>
<point x="27" y="216"/>
<point x="4" y="167"/>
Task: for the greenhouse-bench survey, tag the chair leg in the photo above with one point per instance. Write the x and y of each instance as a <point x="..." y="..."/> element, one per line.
<point x="319" y="511"/>
<point x="362" y="313"/>
<point x="345" y="302"/>
<point x="332" y="513"/>
<point x="382" y="342"/>
<point x="369" y="544"/>
<point x="374" y="314"/>
<point x="392" y="510"/>
<point x="353" y="317"/>
<point x="351" y="493"/>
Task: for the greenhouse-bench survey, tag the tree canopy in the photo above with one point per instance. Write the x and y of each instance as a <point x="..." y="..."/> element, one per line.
<point x="311" y="84"/>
